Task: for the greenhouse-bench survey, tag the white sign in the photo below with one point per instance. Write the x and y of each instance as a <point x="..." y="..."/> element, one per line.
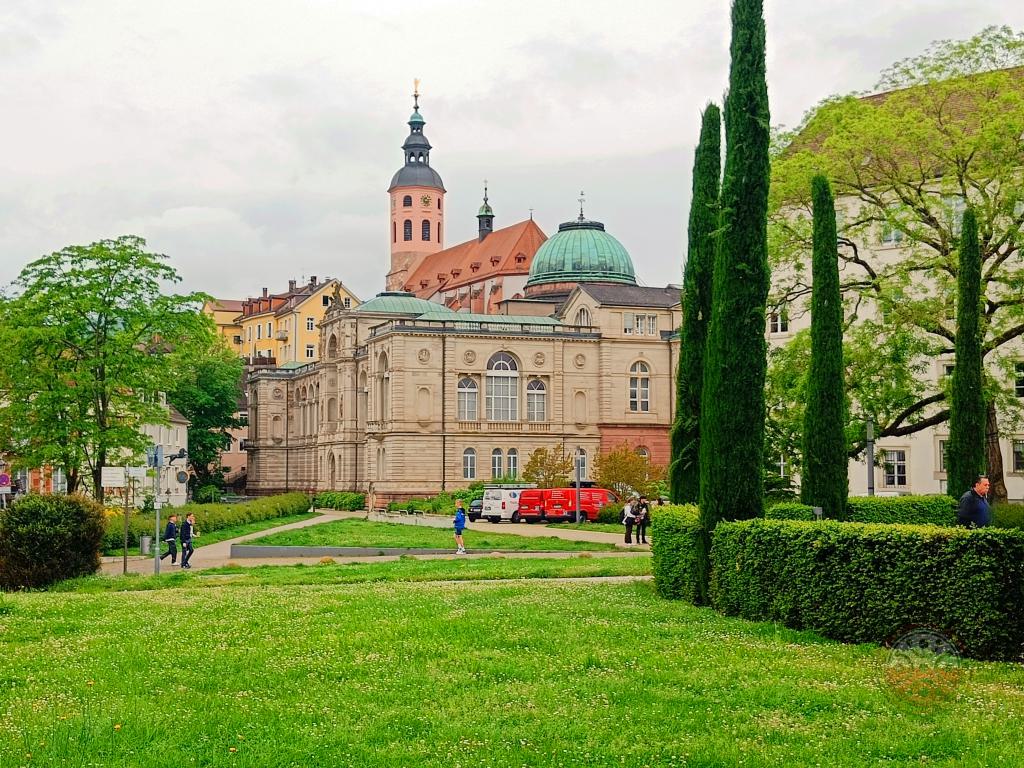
<point x="137" y="473"/>
<point x="5" y="490"/>
<point x="112" y="477"/>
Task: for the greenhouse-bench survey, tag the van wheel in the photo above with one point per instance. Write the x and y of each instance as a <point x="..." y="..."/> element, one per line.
<point x="515" y="516"/>
<point x="493" y="519"/>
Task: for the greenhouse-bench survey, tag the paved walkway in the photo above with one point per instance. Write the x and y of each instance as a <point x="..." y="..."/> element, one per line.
<point x="219" y="554"/>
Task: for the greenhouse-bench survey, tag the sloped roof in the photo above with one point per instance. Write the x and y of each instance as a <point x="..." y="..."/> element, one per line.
<point x="474" y="260"/>
<point x="402" y="303"/>
<point x="614" y="295"/>
<point x="226" y="305"/>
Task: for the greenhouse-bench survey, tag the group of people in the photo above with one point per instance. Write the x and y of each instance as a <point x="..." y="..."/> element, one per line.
<point x="186" y="533"/>
<point x="636" y="513"/>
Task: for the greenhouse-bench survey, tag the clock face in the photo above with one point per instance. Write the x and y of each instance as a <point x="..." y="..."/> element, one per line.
<point x="425" y="199"/>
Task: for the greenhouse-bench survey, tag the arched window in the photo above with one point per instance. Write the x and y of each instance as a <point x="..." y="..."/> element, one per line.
<point x="643" y="453"/>
<point x="497" y="460"/>
<point x="407" y="201"/>
<point x="439" y="202"/>
<point x="583" y="316"/>
<point x="581" y="459"/>
<point x="502" y="388"/>
<point x="394" y="231"/>
<point x="407" y="229"/>
<point x="536" y="401"/>
<point x="439" y="231"/>
<point x="468" y="398"/>
<point x="513" y="463"/>
<point x="332" y="347"/>
<point x="425" y="230"/>
<point x="640" y="387"/>
<point x="469" y="464"/>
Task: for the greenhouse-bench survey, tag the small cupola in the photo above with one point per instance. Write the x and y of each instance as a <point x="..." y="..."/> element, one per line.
<point x="485" y="217"/>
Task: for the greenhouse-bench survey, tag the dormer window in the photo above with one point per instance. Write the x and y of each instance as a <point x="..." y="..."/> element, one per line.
<point x="520" y="258"/>
<point x="424" y="283"/>
<point x="495" y="260"/>
<point x="456" y="272"/>
<point x="475" y="266"/>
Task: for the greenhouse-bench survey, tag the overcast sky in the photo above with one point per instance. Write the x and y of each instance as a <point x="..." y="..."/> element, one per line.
<point x="253" y="142"/>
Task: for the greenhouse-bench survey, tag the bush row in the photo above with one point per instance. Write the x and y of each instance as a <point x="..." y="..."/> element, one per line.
<point x="859" y="582"/>
<point x="937" y="509"/>
<point x="674" y="533"/>
<point x="209" y="517"/>
<point x="443" y="503"/>
<point x="343" y="500"/>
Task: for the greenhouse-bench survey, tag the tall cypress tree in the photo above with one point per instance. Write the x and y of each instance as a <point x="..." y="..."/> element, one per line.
<point x="684" y="470"/>
<point x="732" y="402"/>
<point x="824" y="481"/>
<point x="965" y="455"/>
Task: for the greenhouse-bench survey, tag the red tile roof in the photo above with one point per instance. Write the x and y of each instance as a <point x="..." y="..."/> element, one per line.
<point x="227" y="305"/>
<point x="507" y="251"/>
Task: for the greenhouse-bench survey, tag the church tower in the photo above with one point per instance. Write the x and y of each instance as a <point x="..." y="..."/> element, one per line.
<point x="417" y="205"/>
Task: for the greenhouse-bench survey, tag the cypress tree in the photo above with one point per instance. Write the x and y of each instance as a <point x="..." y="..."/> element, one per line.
<point x="824" y="481"/>
<point x="732" y="401"/>
<point x="965" y="456"/>
<point x="684" y="470"/>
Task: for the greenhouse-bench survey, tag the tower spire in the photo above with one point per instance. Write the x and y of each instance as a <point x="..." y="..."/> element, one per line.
<point x="485" y="217"/>
<point x="582" y="199"/>
<point x="416" y="93"/>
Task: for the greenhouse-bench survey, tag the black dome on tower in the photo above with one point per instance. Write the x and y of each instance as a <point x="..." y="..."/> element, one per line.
<point x="417" y="171"/>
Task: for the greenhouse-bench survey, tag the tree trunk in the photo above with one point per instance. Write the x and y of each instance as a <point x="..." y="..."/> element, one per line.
<point x="994" y="459"/>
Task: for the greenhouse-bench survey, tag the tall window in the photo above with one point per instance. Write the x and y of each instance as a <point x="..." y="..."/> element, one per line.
<point x="259" y="330"/>
<point x="425" y="234"/>
<point x="496" y="463"/>
<point x="268" y="330"/>
<point x="778" y="322"/>
<point x="627" y="323"/>
<point x="468" y="398"/>
<point x="394" y="232"/>
<point x="1018" y="455"/>
<point x="536" y="401"/>
<point x="513" y="462"/>
<point x="652" y="325"/>
<point x="469" y="464"/>
<point x="1018" y="388"/>
<point x="943" y="445"/>
<point x="407" y="229"/>
<point x="502" y="388"/>
<point x="310" y="323"/>
<point x="583" y="316"/>
<point x="309" y="351"/>
<point x="896" y="468"/>
<point x="407" y="201"/>
<point x="640" y="387"/>
<point x="891" y="234"/>
<point x="581" y="458"/>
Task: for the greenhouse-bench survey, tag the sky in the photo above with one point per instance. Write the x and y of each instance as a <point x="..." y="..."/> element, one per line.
<point x="253" y="142"/>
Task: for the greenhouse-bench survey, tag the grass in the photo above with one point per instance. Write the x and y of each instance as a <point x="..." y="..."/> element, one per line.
<point x="354" y="532"/>
<point x="602" y="527"/>
<point x="496" y="674"/>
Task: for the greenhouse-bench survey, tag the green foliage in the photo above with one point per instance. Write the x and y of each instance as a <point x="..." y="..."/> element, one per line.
<point x="85" y="344"/>
<point x="45" y="538"/>
<point x="610" y="513"/>
<point x="789" y="510"/>
<point x="344" y="500"/>
<point x="626" y="472"/>
<point x="209" y="517"/>
<point x="548" y="468"/>
<point x="936" y="509"/>
<point x="675" y="536"/>
<point x="866" y="583"/>
<point x="206" y="494"/>
<point x="442" y="504"/>
<point x="968" y="415"/>
<point x="684" y="468"/>
<point x="824" y="480"/>
<point x="732" y="399"/>
<point x="1008" y="516"/>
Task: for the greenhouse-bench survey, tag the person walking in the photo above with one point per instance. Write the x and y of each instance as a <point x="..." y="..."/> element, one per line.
<point x="973" y="510"/>
<point x="629" y="518"/>
<point x="171" y="539"/>
<point x="188" y="531"/>
<point x="643" y="519"/>
<point x="460" y="524"/>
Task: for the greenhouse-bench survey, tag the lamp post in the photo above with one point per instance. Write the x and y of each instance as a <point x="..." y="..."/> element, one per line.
<point x="871" y="455"/>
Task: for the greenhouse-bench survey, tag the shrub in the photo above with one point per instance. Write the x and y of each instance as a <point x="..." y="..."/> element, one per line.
<point x="206" y="494"/>
<point x="675" y="531"/>
<point x="1008" y="516"/>
<point x="344" y="500"/>
<point x="610" y="513"/>
<point x="858" y="582"/>
<point x="938" y="509"/>
<point x="45" y="538"/>
<point x="209" y="517"/>
<point x="789" y="510"/>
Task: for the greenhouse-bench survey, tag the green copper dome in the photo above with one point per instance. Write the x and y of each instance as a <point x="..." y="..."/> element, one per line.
<point x="399" y="303"/>
<point x="581" y="252"/>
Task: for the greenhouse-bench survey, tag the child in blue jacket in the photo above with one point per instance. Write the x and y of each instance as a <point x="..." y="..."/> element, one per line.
<point x="460" y="524"/>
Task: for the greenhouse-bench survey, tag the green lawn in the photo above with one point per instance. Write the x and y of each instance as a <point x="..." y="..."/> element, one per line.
<point x="602" y="527"/>
<point x="354" y="532"/>
<point x="458" y="675"/>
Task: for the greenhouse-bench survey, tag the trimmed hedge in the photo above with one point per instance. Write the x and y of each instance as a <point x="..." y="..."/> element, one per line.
<point x="1008" y="516"/>
<point x="675" y="531"/>
<point x="209" y="517"/>
<point x="611" y="513"/>
<point x="443" y="503"/>
<point x="344" y="500"/>
<point x="45" y="538"/>
<point x="789" y="510"/>
<point x="866" y="583"/>
<point x="907" y="510"/>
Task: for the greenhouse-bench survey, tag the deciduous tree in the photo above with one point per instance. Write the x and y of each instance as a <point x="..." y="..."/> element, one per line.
<point x="625" y="471"/>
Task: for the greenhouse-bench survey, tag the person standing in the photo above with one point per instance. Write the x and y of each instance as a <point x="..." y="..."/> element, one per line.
<point x="973" y="510"/>
<point x="460" y="524"/>
<point x="188" y="531"/>
<point x="643" y="519"/>
<point x="171" y="539"/>
<point x="629" y="518"/>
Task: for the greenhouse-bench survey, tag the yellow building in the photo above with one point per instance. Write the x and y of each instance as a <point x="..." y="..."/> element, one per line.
<point x="224" y="313"/>
<point x="284" y="328"/>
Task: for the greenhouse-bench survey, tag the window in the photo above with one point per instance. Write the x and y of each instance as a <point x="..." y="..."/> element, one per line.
<point x="583" y="316"/>
<point x="640" y="387"/>
<point x="502" y="388"/>
<point x="310" y="323"/>
<point x="1018" y="387"/>
<point x="469" y="464"/>
<point x="536" y="401"/>
<point x="640" y="319"/>
<point x="394" y="231"/>
<point x="891" y="234"/>
<point x="439" y="231"/>
<point x="439" y="205"/>
<point x="947" y="369"/>
<point x="943" y="446"/>
<point x="581" y="458"/>
<point x="248" y="334"/>
<point x="643" y="453"/>
<point x="259" y="331"/>
<point x="778" y="322"/>
<point x="325" y="300"/>
<point x="407" y="201"/>
<point x="268" y="330"/>
<point x="309" y="351"/>
<point x="627" y="323"/>
<point x="513" y="462"/>
<point x="407" y="230"/>
<point x="497" y="459"/>
<point x="467" y="399"/>
<point x="652" y="325"/>
<point x="1018" y="455"/>
<point x="955" y="206"/>
<point x="425" y="233"/>
<point x="783" y="465"/>
<point x="347" y="303"/>
<point x="896" y="468"/>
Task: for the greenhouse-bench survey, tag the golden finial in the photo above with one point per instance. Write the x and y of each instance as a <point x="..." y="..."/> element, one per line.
<point x="416" y="93"/>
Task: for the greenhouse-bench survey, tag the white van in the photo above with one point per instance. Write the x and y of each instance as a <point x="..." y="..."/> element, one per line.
<point x="501" y="502"/>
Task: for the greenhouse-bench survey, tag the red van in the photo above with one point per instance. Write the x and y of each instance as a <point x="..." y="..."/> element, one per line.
<point x="559" y="504"/>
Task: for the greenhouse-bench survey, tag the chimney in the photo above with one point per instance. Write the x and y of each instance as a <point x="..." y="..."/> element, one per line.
<point x="312" y="279"/>
<point x="291" y="286"/>
<point x="264" y="293"/>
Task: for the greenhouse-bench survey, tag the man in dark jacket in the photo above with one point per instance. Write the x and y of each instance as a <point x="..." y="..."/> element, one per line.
<point x="188" y="530"/>
<point x="974" y="511"/>
<point x="170" y="538"/>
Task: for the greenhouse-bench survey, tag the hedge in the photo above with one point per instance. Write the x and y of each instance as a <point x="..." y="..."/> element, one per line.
<point x="209" y="517"/>
<point x="908" y="510"/>
<point x="866" y="583"/>
<point x="1008" y="516"/>
<point x="344" y="500"/>
<point x="789" y="510"/>
<point x="675" y="530"/>
<point x="443" y="503"/>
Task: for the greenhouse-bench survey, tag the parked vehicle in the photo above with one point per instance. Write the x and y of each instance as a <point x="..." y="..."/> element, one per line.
<point x="501" y="502"/>
<point x="476" y="508"/>
<point x="559" y="504"/>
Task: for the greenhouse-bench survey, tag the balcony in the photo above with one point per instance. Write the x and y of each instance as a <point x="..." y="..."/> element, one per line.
<point x="281" y="335"/>
<point x="504" y="427"/>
